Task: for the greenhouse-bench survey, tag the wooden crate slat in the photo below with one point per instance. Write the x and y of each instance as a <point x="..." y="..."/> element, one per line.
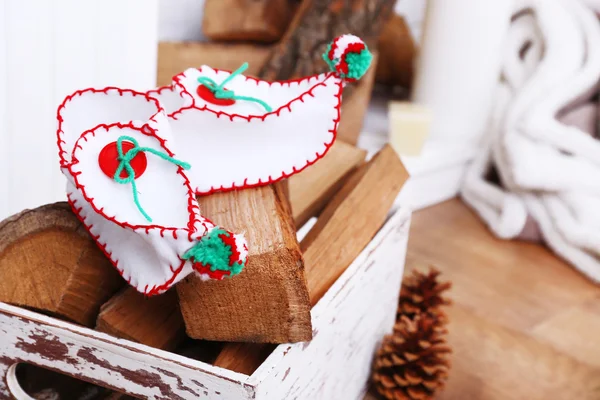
<point x="349" y="322"/>
<point x="114" y="363"/>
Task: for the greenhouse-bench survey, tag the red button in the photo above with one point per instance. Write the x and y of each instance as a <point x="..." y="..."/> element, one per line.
<point x="208" y="96"/>
<point x="108" y="160"/>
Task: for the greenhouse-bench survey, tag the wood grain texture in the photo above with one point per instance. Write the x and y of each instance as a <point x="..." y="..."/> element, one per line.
<point x="348" y="327"/>
<point x="246" y="20"/>
<point x="157" y="321"/>
<point x="302" y="370"/>
<point x="342" y="231"/>
<point x="397" y="53"/>
<point x="49" y="262"/>
<point x="318" y="22"/>
<point x="175" y="57"/>
<point x="312" y="188"/>
<point x="524" y="323"/>
<point x="351" y="219"/>
<point x="154" y="321"/>
<point x="268" y="301"/>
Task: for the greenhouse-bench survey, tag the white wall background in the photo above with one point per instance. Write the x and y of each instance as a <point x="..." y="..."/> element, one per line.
<point x="48" y="49"/>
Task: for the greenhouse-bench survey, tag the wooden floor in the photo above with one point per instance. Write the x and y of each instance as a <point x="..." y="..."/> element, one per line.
<point x="524" y="325"/>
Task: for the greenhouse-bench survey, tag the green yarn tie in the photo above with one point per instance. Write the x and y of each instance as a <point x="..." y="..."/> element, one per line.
<point x="125" y="164"/>
<point x="219" y="89"/>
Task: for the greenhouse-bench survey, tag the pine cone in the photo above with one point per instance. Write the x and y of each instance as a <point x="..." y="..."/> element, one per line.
<point x="413" y="362"/>
<point x="422" y="292"/>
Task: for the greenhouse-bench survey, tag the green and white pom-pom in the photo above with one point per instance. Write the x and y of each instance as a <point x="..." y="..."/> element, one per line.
<point x="349" y="57"/>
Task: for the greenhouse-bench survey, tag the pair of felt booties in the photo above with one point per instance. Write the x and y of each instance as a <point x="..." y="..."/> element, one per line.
<point x="135" y="161"/>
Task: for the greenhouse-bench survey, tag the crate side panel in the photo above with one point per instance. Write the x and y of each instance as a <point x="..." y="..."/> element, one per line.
<point x="118" y="364"/>
<point x="349" y="323"/>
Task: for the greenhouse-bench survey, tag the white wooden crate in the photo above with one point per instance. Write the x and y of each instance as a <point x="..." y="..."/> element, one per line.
<point x="348" y="322"/>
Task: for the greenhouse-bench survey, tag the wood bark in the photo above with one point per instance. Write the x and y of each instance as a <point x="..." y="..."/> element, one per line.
<point x="318" y="22"/>
<point x="268" y="301"/>
<point x="344" y="228"/>
<point x="315" y="25"/>
<point x="246" y="20"/>
<point x="48" y="262"/>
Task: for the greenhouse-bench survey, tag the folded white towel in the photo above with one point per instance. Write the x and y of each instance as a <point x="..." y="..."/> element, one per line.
<point x="548" y="169"/>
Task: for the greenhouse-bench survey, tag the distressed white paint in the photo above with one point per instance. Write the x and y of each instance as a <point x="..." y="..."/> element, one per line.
<point x="49" y="49"/>
<point x="186" y="378"/>
<point x="349" y="322"/>
<point x="348" y="325"/>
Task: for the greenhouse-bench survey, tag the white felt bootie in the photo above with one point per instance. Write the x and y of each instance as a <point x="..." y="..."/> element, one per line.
<point x="249" y="132"/>
<point x="134" y="196"/>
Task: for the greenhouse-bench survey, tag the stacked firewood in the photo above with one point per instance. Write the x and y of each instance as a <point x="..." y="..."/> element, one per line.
<point x="49" y="263"/>
<point x="284" y="39"/>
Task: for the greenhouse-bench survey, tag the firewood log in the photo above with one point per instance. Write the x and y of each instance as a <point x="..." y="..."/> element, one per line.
<point x="314" y="25"/>
<point x="246" y="20"/>
<point x="175" y="57"/>
<point x="397" y="52"/>
<point x="154" y="321"/>
<point x="48" y="262"/>
<point x="309" y="192"/>
<point x="312" y="188"/>
<point x="268" y="301"/>
<point x="342" y="231"/>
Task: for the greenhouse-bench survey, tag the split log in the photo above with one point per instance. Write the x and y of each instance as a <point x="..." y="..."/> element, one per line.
<point x="312" y="188"/>
<point x="154" y="321"/>
<point x="128" y="316"/>
<point x="246" y="20"/>
<point x="343" y="230"/>
<point x="315" y="24"/>
<point x="48" y="262"/>
<point x="397" y="53"/>
<point x="268" y="301"/>
<point x="175" y="57"/>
